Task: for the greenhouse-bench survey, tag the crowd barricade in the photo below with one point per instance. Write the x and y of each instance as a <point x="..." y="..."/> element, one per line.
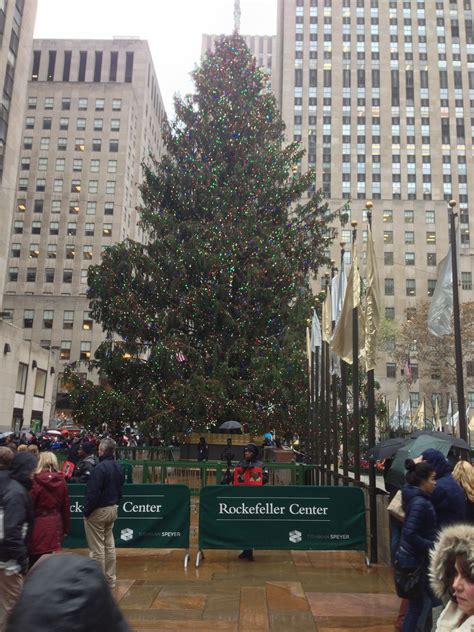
<point x="290" y="517"/>
<point x="149" y="516"/>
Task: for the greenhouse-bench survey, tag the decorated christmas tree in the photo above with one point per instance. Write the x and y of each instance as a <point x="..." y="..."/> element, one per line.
<point x="207" y="317"/>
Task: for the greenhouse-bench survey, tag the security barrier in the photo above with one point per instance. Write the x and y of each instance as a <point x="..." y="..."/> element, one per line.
<point x="149" y="516"/>
<point x="301" y="518"/>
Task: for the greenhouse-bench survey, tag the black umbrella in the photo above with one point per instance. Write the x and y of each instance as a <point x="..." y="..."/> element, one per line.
<point x="456" y="442"/>
<point x="386" y="449"/>
<point x="230" y="425"/>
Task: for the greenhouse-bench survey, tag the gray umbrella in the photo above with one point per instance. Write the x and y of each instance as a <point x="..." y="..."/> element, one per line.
<point x="230" y="425"/>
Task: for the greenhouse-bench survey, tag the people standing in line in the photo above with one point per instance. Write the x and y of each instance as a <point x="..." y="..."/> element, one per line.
<point x="452" y="577"/>
<point x="202" y="450"/>
<point x="418" y="536"/>
<point x="103" y="493"/>
<point x="448" y="497"/>
<point x="250" y="472"/>
<point x="463" y="473"/>
<point x="66" y="592"/>
<point x="16" y="509"/>
<point x="51" y="504"/>
<point x="84" y="467"/>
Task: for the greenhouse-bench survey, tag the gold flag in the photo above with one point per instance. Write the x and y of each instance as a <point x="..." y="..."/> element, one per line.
<point x="327" y="317"/>
<point x="372" y="304"/>
<point x="419" y="421"/>
<point x="342" y="338"/>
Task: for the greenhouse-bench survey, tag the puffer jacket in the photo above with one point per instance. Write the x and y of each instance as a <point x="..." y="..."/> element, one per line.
<point x="453" y="540"/>
<point x="448" y="496"/>
<point x="419" y="527"/>
<point x="66" y="593"/>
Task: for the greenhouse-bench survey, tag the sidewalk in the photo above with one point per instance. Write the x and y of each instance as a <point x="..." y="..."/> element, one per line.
<point x="280" y="591"/>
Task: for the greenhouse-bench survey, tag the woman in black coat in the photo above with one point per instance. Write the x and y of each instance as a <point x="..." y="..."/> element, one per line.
<point x="418" y="534"/>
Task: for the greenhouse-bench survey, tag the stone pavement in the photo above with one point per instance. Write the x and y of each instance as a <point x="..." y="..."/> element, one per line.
<point x="280" y="591"/>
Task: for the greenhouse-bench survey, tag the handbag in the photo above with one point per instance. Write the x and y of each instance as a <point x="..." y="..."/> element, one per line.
<point x="395" y="508"/>
<point x="409" y="581"/>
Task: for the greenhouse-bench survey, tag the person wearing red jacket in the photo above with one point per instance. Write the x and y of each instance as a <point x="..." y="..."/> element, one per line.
<point x="50" y="498"/>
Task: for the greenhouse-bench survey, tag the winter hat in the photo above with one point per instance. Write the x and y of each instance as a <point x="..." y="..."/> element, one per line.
<point x="457" y="539"/>
<point x="251" y="447"/>
<point x="88" y="447"/>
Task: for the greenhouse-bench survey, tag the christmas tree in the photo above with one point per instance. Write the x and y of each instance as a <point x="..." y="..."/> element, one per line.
<point x="210" y="311"/>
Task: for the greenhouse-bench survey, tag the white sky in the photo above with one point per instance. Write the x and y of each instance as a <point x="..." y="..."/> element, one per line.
<point x="173" y="28"/>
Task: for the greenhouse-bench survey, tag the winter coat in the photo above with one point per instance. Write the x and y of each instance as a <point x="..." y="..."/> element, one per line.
<point x="255" y="463"/>
<point x="454" y="540"/>
<point x="52" y="512"/>
<point x="105" y="485"/>
<point x="448" y="496"/>
<point x="18" y="509"/>
<point x="83" y="469"/>
<point x="419" y="526"/>
<point x="66" y="593"/>
<point x="203" y="451"/>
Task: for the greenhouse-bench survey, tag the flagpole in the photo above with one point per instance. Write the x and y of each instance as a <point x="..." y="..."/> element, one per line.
<point x="327" y="384"/>
<point x="345" y="449"/>
<point x="309" y="434"/>
<point x="321" y="412"/>
<point x="316" y="438"/>
<point x="371" y="438"/>
<point x="355" y="376"/>
<point x="457" y="327"/>
<point x="335" y="443"/>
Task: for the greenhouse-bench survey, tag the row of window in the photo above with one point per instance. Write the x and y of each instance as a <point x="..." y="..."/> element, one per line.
<point x="48" y="319"/>
<point x="67" y="275"/>
<point x="82" y="66"/>
<point x="63" y="124"/>
<point x="70" y="253"/>
<point x="79" y="144"/>
<point x="22" y="380"/>
<point x="71" y="231"/>
<point x="410" y="285"/>
<point x="58" y="205"/>
<point x="391" y="370"/>
<point x="82" y="104"/>
<point x="58" y="186"/>
<point x="77" y="164"/>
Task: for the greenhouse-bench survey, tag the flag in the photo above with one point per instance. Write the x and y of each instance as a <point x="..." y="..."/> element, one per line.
<point x="327" y="318"/>
<point x="308" y="347"/>
<point x="315" y="332"/>
<point x="407" y="371"/>
<point x="441" y="308"/>
<point x="342" y="337"/>
<point x="341" y="291"/>
<point x="449" y="416"/>
<point x="334" y="296"/>
<point x="419" y="420"/>
<point x="405" y="413"/>
<point x="438" y="424"/>
<point x="372" y="304"/>
<point x="395" y="418"/>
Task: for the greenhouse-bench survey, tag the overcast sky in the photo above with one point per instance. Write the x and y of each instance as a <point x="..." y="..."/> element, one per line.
<point x="173" y="28"/>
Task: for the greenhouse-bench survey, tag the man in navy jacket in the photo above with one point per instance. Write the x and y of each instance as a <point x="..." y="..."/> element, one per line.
<point x="103" y="492"/>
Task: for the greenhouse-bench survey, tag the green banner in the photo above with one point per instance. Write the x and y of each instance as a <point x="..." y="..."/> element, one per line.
<point x="304" y="518"/>
<point x="149" y="516"/>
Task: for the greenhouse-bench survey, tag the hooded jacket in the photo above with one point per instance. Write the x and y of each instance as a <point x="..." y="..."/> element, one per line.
<point x="448" y="496"/>
<point x="17" y="508"/>
<point x="50" y="498"/>
<point x="66" y="593"/>
<point x="419" y="526"/>
<point x="454" y="540"/>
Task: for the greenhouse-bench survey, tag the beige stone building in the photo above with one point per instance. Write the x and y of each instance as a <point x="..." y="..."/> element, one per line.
<point x="94" y="112"/>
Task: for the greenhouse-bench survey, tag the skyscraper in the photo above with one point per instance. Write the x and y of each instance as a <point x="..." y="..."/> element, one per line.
<point x="93" y="114"/>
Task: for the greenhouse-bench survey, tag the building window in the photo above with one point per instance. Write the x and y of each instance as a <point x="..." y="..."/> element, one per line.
<point x="34" y="251"/>
<point x="30" y="275"/>
<point x="18" y="227"/>
<point x="409" y="217"/>
<point x="113" y="66"/>
<point x="82" y="65"/>
<point x="12" y="275"/>
<point x="40" y="383"/>
<point x="431" y="286"/>
<point x="410" y="258"/>
<point x="64" y="124"/>
<point x="22" y="378"/>
<point x="32" y="101"/>
<point x="93" y="186"/>
<point x="38" y="206"/>
<point x="62" y="144"/>
<point x="87" y="252"/>
<point x="51" y="251"/>
<point x="430" y="238"/>
<point x="391" y="368"/>
<point x="96" y="144"/>
<point x="98" y="66"/>
<point x="466" y="280"/>
<point x="389" y="287"/>
<point x="390" y="313"/>
<point x="15" y="251"/>
<point x="48" y="318"/>
<point x="388" y="237"/>
<point x="116" y="105"/>
<point x="87" y="321"/>
<point x="60" y="164"/>
<point x="30" y="122"/>
<point x="91" y="208"/>
<point x="54" y="228"/>
<point x="85" y="352"/>
<point x="98" y="124"/>
<point x="89" y="230"/>
<point x="81" y="124"/>
<point x="99" y="105"/>
<point x="75" y="186"/>
<point x="113" y="146"/>
<point x="108" y="208"/>
<point x="82" y="104"/>
<point x="28" y="317"/>
<point x="115" y="125"/>
<point x="70" y="251"/>
<point x="67" y="276"/>
<point x="110" y="187"/>
<point x="95" y="166"/>
<point x="49" y="275"/>
<point x="409" y="237"/>
<point x="430" y="217"/>
<point x="107" y="230"/>
<point x="410" y="287"/>
<point x="65" y="350"/>
<point x="128" y="67"/>
<point x="47" y="122"/>
<point x="71" y="229"/>
<point x="65" y="103"/>
<point x="68" y="319"/>
<point x="67" y="65"/>
<point x="112" y="166"/>
<point x="470" y="368"/>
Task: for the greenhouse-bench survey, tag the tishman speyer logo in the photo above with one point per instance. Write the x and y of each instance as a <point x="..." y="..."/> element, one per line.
<point x="295" y="536"/>
<point x="126" y="535"/>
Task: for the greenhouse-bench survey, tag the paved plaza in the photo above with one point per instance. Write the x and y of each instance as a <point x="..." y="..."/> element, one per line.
<point x="280" y="591"/>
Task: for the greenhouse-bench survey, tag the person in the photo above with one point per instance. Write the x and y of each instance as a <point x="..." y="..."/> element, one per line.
<point x="448" y="497"/>
<point x="250" y="471"/>
<point x="103" y="492"/>
<point x="50" y="498"/>
<point x="16" y="473"/>
<point x="228" y="453"/>
<point x="87" y="463"/>
<point x="452" y="577"/>
<point x="202" y="450"/>
<point x="66" y="593"/>
<point x="418" y="534"/>
<point x="22" y="448"/>
<point x="463" y="473"/>
<point x="33" y="449"/>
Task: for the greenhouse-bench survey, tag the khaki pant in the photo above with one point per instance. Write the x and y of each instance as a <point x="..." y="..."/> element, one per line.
<point x="10" y="589"/>
<point x="100" y="540"/>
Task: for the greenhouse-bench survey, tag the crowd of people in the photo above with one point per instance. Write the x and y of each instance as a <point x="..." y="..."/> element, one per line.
<point x="35" y="518"/>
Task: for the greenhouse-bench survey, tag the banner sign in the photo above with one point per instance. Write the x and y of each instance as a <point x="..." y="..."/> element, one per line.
<point x="304" y="518"/>
<point x="149" y="516"/>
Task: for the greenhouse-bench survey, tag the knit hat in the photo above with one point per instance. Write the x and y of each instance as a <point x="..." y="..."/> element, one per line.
<point x="251" y="447"/>
<point x="88" y="447"/>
